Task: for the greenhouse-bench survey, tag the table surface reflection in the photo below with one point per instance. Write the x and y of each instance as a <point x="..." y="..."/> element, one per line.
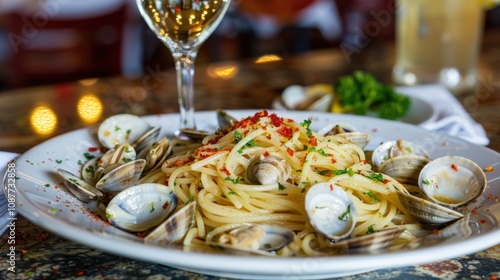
<point x="245" y="84"/>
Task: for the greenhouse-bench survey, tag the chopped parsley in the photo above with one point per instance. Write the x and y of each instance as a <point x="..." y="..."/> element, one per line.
<point x="191" y="198"/>
<point x="237" y="136"/>
<point x="231" y="192"/>
<point x="303" y="190"/>
<point x="88" y="155"/>
<point x="349" y="171"/>
<point x="235" y="181"/>
<point x="376" y="176"/>
<point x="346" y="214"/>
<point x="223" y="196"/>
<point x="426" y="182"/>
<point x="117" y="128"/>
<point x="281" y="187"/>
<point x="323" y="172"/>
<point x="47" y="185"/>
<point x="373" y="196"/>
<point x="128" y="132"/>
<point x="152" y="207"/>
<point x="58" y="161"/>
<point x="370" y="229"/>
<point x="306" y="124"/>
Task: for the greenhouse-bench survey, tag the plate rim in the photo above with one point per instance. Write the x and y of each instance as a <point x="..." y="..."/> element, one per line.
<point x="29" y="206"/>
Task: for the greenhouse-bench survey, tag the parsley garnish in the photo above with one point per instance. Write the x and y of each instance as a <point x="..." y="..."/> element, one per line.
<point x="191" y="199"/>
<point x="117" y="128"/>
<point x="231" y="192"/>
<point x="372" y="196"/>
<point x="58" y="161"/>
<point x="281" y="187"/>
<point x="223" y="196"/>
<point x="152" y="207"/>
<point x="237" y="136"/>
<point x="322" y="152"/>
<point x="303" y="190"/>
<point x="426" y="182"/>
<point x="235" y="181"/>
<point x="349" y="171"/>
<point x="88" y="156"/>
<point x="376" y="176"/>
<point x="370" y="229"/>
<point x="346" y="214"/>
<point x="323" y="172"/>
<point x="47" y="185"/>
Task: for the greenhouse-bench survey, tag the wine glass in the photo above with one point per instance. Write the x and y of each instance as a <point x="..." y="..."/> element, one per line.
<point x="183" y="25"/>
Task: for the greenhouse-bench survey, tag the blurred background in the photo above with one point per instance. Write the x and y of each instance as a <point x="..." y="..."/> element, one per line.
<point x="52" y="41"/>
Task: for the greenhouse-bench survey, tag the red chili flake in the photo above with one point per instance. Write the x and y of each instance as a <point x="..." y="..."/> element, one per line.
<point x="454" y="167"/>
<point x="93" y="149"/>
<point x="289" y="151"/>
<point x="266" y="154"/>
<point x="490" y="196"/>
<point x="141" y="235"/>
<point x="331" y="187"/>
<point x="165" y="205"/>
<point x="313" y="141"/>
<point x="362" y="161"/>
<point x="225" y="171"/>
<point x="489" y="169"/>
<point x="268" y="136"/>
<point x="386" y="181"/>
<point x="482" y="221"/>
<point x="435" y="231"/>
<point x="286" y="132"/>
<point x="275" y="120"/>
<point x="79" y="273"/>
<point x="334" y="160"/>
<point x="474" y="212"/>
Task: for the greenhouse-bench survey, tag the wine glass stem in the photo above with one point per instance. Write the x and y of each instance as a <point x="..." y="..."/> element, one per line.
<point x="184" y="66"/>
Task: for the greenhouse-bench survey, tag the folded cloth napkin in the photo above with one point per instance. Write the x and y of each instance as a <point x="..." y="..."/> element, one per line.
<point x="5" y="158"/>
<point x="452" y="118"/>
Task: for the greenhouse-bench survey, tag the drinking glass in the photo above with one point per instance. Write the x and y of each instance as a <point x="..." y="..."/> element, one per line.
<point x="183" y="25"/>
<point x="438" y="41"/>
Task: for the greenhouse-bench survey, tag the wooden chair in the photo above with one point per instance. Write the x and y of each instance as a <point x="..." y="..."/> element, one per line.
<point x="56" y="48"/>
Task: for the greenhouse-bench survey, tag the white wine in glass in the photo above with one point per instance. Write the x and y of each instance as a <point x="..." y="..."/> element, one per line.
<point x="183" y="25"/>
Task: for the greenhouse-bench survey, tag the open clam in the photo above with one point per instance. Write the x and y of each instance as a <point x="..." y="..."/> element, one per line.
<point x="148" y="138"/>
<point x="121" y="128"/>
<point x="369" y="242"/>
<point x="268" y="170"/>
<point x="452" y="181"/>
<point x="121" y="177"/>
<point x="428" y="213"/>
<point x="141" y="207"/>
<point x="225" y="120"/>
<point x="173" y="229"/>
<point x="331" y="211"/>
<point x="347" y="132"/>
<point x="314" y="98"/>
<point x="255" y="238"/>
<point x="155" y="154"/>
<point x="78" y="187"/>
<point x="402" y="160"/>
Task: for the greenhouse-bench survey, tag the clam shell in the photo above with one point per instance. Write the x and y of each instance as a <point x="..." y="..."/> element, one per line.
<point x="268" y="170"/>
<point x="257" y="239"/>
<point x="173" y="229"/>
<point x="388" y="150"/>
<point x="331" y="211"/>
<point x="452" y="181"/>
<point x="121" y="128"/>
<point x="88" y="171"/>
<point x="155" y="154"/>
<point x="348" y="132"/>
<point x="78" y="187"/>
<point x="225" y="120"/>
<point x="373" y="241"/>
<point x="121" y="177"/>
<point x="147" y="138"/>
<point x="405" y="169"/>
<point x="427" y="213"/>
<point x="314" y="98"/>
<point x="141" y="207"/>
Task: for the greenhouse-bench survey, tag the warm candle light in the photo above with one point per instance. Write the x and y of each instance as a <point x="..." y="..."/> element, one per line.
<point x="268" y="58"/>
<point x="89" y="108"/>
<point x="43" y="120"/>
<point x="222" y="71"/>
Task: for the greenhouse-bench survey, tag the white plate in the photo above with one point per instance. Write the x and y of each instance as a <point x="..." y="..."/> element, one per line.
<point x="59" y="212"/>
<point x="420" y="112"/>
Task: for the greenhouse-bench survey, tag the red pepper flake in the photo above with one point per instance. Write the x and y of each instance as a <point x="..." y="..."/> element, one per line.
<point x="165" y="205"/>
<point x="454" y="167"/>
<point x="435" y="231"/>
<point x="141" y="235"/>
<point x="334" y="160"/>
<point x="79" y="273"/>
<point x="490" y="196"/>
<point x="331" y="187"/>
<point x="482" y="221"/>
<point x="386" y="181"/>
<point x="362" y="161"/>
<point x="489" y="169"/>
<point x="474" y="212"/>
<point x="313" y="141"/>
<point x="93" y="149"/>
<point x="286" y="132"/>
<point x="289" y="151"/>
<point x="275" y="120"/>
<point x="266" y="154"/>
<point x="225" y="171"/>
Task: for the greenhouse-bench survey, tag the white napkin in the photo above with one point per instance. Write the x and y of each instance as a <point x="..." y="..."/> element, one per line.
<point x="452" y="118"/>
<point x="4" y="213"/>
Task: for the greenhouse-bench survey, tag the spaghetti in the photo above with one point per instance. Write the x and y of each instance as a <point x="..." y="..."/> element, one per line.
<point x="214" y="176"/>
